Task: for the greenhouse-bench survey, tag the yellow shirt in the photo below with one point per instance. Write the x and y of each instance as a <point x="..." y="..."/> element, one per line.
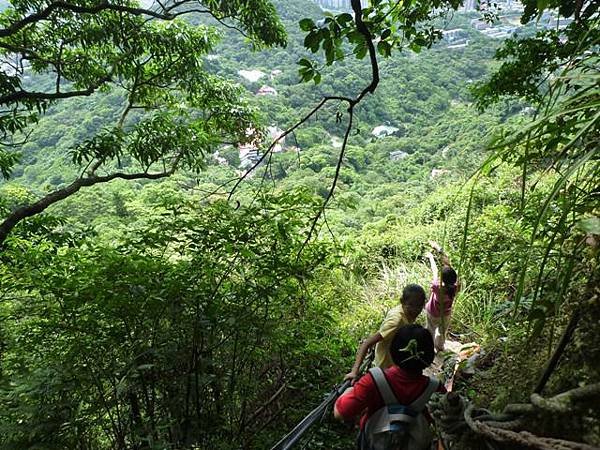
<point x="394" y="319"/>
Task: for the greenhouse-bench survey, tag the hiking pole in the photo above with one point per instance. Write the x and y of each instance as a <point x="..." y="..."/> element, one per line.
<point x="292" y="438"/>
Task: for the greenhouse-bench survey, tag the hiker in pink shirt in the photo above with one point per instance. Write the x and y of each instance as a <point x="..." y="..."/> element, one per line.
<point x="439" y="306"/>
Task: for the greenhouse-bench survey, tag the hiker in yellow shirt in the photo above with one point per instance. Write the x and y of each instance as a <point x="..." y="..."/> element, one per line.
<point x="411" y="305"/>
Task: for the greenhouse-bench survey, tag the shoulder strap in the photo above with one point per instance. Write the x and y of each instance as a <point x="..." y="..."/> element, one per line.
<point x="384" y="387"/>
<point x="419" y="404"/>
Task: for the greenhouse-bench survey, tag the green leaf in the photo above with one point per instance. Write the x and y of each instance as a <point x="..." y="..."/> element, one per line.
<point x="307" y="24"/>
<point x="306" y="73"/>
<point x="355" y="36"/>
<point x="542" y="5"/>
<point x="415" y="48"/>
<point x="360" y="51"/>
<point x="317" y="77"/>
<point x="312" y="41"/>
<point x="344" y="18"/>
<point x="329" y="51"/>
<point x="384" y="48"/>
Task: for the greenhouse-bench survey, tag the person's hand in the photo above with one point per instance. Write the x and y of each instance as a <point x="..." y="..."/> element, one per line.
<point x="352" y="376"/>
<point x="428" y="255"/>
<point x="437" y="247"/>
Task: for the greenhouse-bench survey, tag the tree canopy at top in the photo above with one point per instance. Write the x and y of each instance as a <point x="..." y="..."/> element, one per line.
<point x="149" y="53"/>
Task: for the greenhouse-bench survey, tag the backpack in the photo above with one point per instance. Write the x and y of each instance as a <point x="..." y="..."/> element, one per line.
<point x="396" y="426"/>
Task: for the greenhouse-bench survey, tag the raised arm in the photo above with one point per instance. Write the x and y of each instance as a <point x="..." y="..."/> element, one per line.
<point x="438" y="248"/>
<point x="361" y="354"/>
<point x="433" y="265"/>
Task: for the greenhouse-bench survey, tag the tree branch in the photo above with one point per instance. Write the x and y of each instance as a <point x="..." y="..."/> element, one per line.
<point x="15" y="27"/>
<point x="553" y="362"/>
<point x="27" y="95"/>
<point x="35" y="208"/>
<point x="272" y="146"/>
<point x="336" y="177"/>
<point x="364" y="30"/>
<point x="352" y="102"/>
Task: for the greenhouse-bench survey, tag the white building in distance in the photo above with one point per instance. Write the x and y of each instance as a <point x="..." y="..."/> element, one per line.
<point x="398" y="155"/>
<point x="339" y="5"/>
<point x="266" y="90"/>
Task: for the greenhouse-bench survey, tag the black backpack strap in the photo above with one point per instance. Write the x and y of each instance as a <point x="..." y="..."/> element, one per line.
<point x="384" y="387"/>
<point x="419" y="404"/>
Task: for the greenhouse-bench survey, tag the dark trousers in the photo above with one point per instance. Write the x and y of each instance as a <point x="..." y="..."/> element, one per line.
<point x="361" y="441"/>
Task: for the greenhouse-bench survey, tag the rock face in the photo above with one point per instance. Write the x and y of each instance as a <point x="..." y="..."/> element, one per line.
<point x="384" y="130"/>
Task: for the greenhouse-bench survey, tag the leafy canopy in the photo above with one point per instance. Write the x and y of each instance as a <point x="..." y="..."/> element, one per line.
<point x="391" y="24"/>
<point x="150" y="53"/>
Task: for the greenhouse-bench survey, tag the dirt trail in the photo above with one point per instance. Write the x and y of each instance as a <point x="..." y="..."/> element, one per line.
<point x="436" y="368"/>
<point x="445" y="370"/>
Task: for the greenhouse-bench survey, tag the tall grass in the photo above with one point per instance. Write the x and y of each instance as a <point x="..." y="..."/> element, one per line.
<point x="479" y="314"/>
<point x="476" y="313"/>
<point x="564" y="140"/>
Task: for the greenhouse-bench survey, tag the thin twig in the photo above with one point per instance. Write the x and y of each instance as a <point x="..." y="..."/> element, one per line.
<point x="334" y="183"/>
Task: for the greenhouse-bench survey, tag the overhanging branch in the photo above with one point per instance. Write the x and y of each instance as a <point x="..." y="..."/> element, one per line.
<point x="283" y="135"/>
<point x="19" y="96"/>
<point x="352" y="102"/>
<point x="17" y="26"/>
<point x="336" y="177"/>
<point x="35" y="208"/>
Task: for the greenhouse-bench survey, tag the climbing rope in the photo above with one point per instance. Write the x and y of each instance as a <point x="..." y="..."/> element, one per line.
<point x="294" y="436"/>
<point x="455" y="417"/>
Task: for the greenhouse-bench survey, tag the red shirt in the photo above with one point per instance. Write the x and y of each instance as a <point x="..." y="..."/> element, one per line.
<point x="365" y="397"/>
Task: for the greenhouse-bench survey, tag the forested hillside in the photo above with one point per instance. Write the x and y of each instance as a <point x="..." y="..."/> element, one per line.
<point x="206" y="206"/>
<point x="415" y="96"/>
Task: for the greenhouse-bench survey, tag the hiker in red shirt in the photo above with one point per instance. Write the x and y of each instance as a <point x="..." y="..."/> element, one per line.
<point x="412" y="351"/>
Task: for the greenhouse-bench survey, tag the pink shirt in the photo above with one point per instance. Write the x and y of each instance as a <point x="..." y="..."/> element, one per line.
<point x="433" y="306"/>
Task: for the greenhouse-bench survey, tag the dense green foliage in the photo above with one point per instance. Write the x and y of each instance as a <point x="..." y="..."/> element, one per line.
<point x="81" y="48"/>
<point x="157" y="342"/>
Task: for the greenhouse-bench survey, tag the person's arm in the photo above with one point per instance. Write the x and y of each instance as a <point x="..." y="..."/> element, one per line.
<point x="336" y="412"/>
<point x="361" y="353"/>
<point x="438" y="248"/>
<point x="355" y="400"/>
<point x="433" y="265"/>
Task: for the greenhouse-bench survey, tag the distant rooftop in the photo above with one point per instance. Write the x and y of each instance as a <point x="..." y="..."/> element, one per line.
<point x="339" y="5"/>
<point x="266" y="90"/>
